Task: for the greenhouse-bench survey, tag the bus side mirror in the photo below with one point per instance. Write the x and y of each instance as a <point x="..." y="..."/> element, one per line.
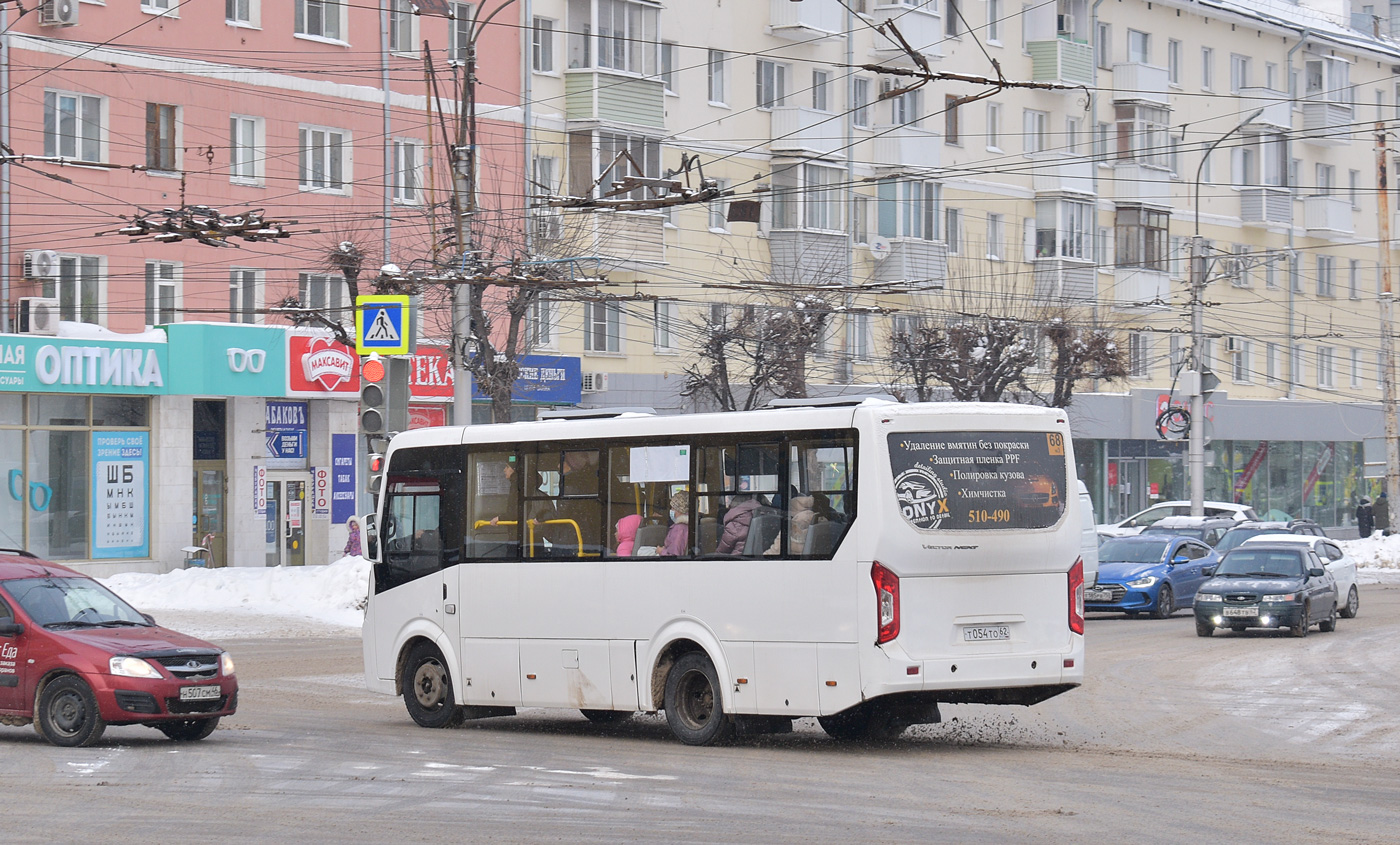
<point x="371" y="535"/>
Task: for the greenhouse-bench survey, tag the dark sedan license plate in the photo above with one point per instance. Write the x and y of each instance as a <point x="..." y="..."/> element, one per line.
<point x="200" y="693"/>
<point x="1251" y="610"/>
<point x="978" y="633"/>
<point x="1098" y="595"/>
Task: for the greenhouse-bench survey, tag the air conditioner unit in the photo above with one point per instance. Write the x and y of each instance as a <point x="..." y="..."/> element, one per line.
<point x="888" y="84"/>
<point x="595" y="382"/>
<point x="41" y="264"/>
<point x="58" y="13"/>
<point x="38" y="315"/>
<point x="1064" y="24"/>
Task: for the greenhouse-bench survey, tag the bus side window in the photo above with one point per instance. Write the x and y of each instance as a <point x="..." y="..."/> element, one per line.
<point x="493" y="507"/>
<point x="822" y="504"/>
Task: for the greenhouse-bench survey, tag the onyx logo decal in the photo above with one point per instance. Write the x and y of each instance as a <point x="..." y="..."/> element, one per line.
<point x="923" y="497"/>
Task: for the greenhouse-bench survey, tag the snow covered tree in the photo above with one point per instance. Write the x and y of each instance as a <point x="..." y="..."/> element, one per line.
<point x="1080" y="353"/>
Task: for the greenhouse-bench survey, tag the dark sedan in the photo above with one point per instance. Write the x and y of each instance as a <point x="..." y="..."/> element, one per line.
<point x="1265" y="585"/>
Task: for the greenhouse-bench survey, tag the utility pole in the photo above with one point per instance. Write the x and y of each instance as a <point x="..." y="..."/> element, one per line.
<point x="464" y="200"/>
<point x="1196" y="446"/>
<point x="1392" y="429"/>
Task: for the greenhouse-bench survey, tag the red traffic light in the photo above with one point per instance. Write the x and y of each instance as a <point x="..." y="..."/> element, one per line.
<point x="372" y="370"/>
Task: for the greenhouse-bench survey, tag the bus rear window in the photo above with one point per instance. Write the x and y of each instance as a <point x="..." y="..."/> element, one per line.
<point x="979" y="481"/>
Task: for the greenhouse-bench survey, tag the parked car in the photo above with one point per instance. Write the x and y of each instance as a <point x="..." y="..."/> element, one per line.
<point x="1142" y="519"/>
<point x="1088" y="537"/>
<point x="1149" y="572"/>
<point x="1207" y="529"/>
<point x="75" y="658"/>
<point x="1268" y="585"/>
<point x="1338" y="562"/>
<point x="1258" y="528"/>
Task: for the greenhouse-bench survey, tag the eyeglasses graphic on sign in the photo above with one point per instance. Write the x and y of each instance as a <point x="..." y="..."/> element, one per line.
<point x="246" y="360"/>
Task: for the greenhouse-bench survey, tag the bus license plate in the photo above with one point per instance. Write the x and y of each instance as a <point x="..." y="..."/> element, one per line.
<point x="986" y="632"/>
<point x="200" y="693"/>
<point x="1252" y="610"/>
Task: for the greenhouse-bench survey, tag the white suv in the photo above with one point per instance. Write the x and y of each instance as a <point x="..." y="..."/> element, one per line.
<point x="1138" y="521"/>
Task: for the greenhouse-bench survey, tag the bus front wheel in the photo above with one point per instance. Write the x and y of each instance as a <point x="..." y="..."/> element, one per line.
<point x="427" y="689"/>
<point x="694" y="704"/>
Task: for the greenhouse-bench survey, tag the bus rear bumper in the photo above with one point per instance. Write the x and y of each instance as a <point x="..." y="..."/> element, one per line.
<point x="987" y="679"/>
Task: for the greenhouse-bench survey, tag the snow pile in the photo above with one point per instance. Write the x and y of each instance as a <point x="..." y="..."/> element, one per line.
<point x="333" y="594"/>
<point x="1374" y="552"/>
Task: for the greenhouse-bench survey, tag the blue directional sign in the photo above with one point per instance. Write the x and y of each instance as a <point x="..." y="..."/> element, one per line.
<point x="381" y="324"/>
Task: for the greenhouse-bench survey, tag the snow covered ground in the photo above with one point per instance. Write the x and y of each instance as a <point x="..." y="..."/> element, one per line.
<point x="327" y="601"/>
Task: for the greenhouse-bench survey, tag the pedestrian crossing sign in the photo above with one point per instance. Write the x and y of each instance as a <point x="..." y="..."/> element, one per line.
<point x="381" y="325"/>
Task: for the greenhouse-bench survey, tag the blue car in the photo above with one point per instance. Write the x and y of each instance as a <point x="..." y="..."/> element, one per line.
<point x="1149" y="573"/>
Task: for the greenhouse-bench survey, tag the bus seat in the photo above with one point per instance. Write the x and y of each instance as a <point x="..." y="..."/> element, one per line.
<point x="709" y="535"/>
<point x="821" y="538"/>
<point x="764" y="527"/>
<point x="650" y="535"/>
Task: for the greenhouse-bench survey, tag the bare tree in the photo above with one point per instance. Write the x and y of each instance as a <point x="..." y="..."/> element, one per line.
<point x="1081" y="353"/>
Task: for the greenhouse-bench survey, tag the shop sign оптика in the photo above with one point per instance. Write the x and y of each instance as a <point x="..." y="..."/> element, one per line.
<point x="81" y="365"/>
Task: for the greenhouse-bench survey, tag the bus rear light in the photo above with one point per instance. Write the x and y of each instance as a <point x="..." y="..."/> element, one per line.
<point x="886" y="601"/>
<point x="1076" y="596"/>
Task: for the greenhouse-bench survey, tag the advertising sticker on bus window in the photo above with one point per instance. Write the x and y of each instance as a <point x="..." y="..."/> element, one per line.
<point x="979" y="481"/>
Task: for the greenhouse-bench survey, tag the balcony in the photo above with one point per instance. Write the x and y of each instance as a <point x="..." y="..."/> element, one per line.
<point x="1277" y="115"/>
<point x="1139" y="83"/>
<point x="907" y="147"/>
<point x="1325" y="123"/>
<point x="798" y="129"/>
<point x="1326" y="217"/>
<point x="802" y="256"/>
<point x="1266" y="206"/>
<point x="1056" y="173"/>
<point x="1061" y="60"/>
<point x="1135" y="182"/>
<point x="600" y="95"/>
<point x="1138" y="287"/>
<point x="807" y="20"/>
<point x="914" y="260"/>
<point x="922" y="29"/>
<point x="1062" y="281"/>
<point x="624" y="240"/>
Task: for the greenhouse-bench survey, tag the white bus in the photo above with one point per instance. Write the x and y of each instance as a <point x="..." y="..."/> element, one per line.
<point x="860" y="564"/>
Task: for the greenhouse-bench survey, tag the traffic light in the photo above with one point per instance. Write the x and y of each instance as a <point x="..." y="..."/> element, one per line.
<point x="373" y="397"/>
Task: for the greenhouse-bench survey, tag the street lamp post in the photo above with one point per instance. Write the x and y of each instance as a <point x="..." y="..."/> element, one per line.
<point x="1196" y="445"/>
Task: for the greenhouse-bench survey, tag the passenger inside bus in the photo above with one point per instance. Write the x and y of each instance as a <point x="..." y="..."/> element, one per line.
<point x="626" y="534"/>
<point x="678" y="535"/>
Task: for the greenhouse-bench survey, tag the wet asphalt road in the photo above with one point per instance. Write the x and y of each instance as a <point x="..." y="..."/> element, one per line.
<point x="1240" y="738"/>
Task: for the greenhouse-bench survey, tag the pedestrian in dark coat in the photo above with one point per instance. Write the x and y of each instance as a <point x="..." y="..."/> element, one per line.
<point x="1365" y="518"/>
<point x="1382" y="511"/>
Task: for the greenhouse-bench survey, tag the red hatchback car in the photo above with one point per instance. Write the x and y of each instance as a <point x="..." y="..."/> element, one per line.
<point x="75" y="658"/>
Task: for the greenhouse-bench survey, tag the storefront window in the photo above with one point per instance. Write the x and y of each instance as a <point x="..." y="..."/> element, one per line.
<point x="58" y="409"/>
<point x="58" y="494"/>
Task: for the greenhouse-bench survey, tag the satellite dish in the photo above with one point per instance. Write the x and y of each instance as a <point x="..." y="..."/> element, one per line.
<point x="879" y="248"/>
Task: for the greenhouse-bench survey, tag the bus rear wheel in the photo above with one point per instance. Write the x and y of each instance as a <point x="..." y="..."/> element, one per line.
<point x="694" y="704"/>
<point x="427" y="689"/>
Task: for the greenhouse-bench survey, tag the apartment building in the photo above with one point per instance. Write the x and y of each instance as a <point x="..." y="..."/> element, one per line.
<point x="1079" y="200"/>
<point x="226" y="428"/>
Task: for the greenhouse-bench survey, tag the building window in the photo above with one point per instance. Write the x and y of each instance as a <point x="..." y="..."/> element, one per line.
<point x="668" y="67"/>
<point x="1357" y="362"/>
<point x="994" y="127"/>
<point x="951" y="135"/>
<point x="858" y="338"/>
<point x="540" y="327"/>
<point x="1139" y="47"/>
<point x="1241" y="368"/>
<point x="243" y="290"/>
<point x="667" y="316"/>
<point x="626" y="35"/>
<point x="1239" y="73"/>
<point x="162" y="292"/>
<point x="403" y="27"/>
<point x="1354" y="188"/>
<point x="542" y="46"/>
<point x="994" y="21"/>
<point x="1063" y="229"/>
<point x="1326" y="275"/>
<point x="954" y="230"/>
<point x="1103" y="46"/>
<point x="860" y="210"/>
<point x="1176" y="352"/>
<point x="860" y="108"/>
<point x="160" y="7"/>
<point x="1207" y="69"/>
<point x="996" y="237"/>
<point x="1271" y="374"/>
<point x="821" y="90"/>
<point x="772" y="84"/>
<point x="160" y="137"/>
<point x="1177" y="261"/>
<point x="319" y="18"/>
<point x="602" y="327"/>
<point x="1142" y="134"/>
<point x="719" y="209"/>
<point x="1140" y="235"/>
<point x="646" y="152"/>
<point x="78" y="288"/>
<point x="459" y="32"/>
<point x="808" y="196"/>
<point x="908" y="209"/>
<point x="1297" y="369"/>
<point x="1036" y="126"/>
<point x="1295" y="273"/>
<point x="1173" y="61"/>
<point x="718" y="88"/>
<point x="73" y="126"/>
<point x="547" y="222"/>
<point x="245" y="149"/>
<point x="1139" y="354"/>
<point x="241" y="12"/>
<point x="323" y="158"/>
<point x="1326" y="180"/>
<point x="1328" y="78"/>
<point x="407" y="171"/>
<point x="906" y="108"/>
<point x="1354" y="279"/>
<point x="1326" y="367"/>
<point x="323" y="292"/>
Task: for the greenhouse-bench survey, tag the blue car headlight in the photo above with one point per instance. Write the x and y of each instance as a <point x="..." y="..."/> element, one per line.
<point x="1143" y="582"/>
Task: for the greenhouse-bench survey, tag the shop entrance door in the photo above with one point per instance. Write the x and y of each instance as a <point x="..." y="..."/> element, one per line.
<point x="1127" y="490"/>
<point x="209" y="490"/>
<point x="284" y="533"/>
